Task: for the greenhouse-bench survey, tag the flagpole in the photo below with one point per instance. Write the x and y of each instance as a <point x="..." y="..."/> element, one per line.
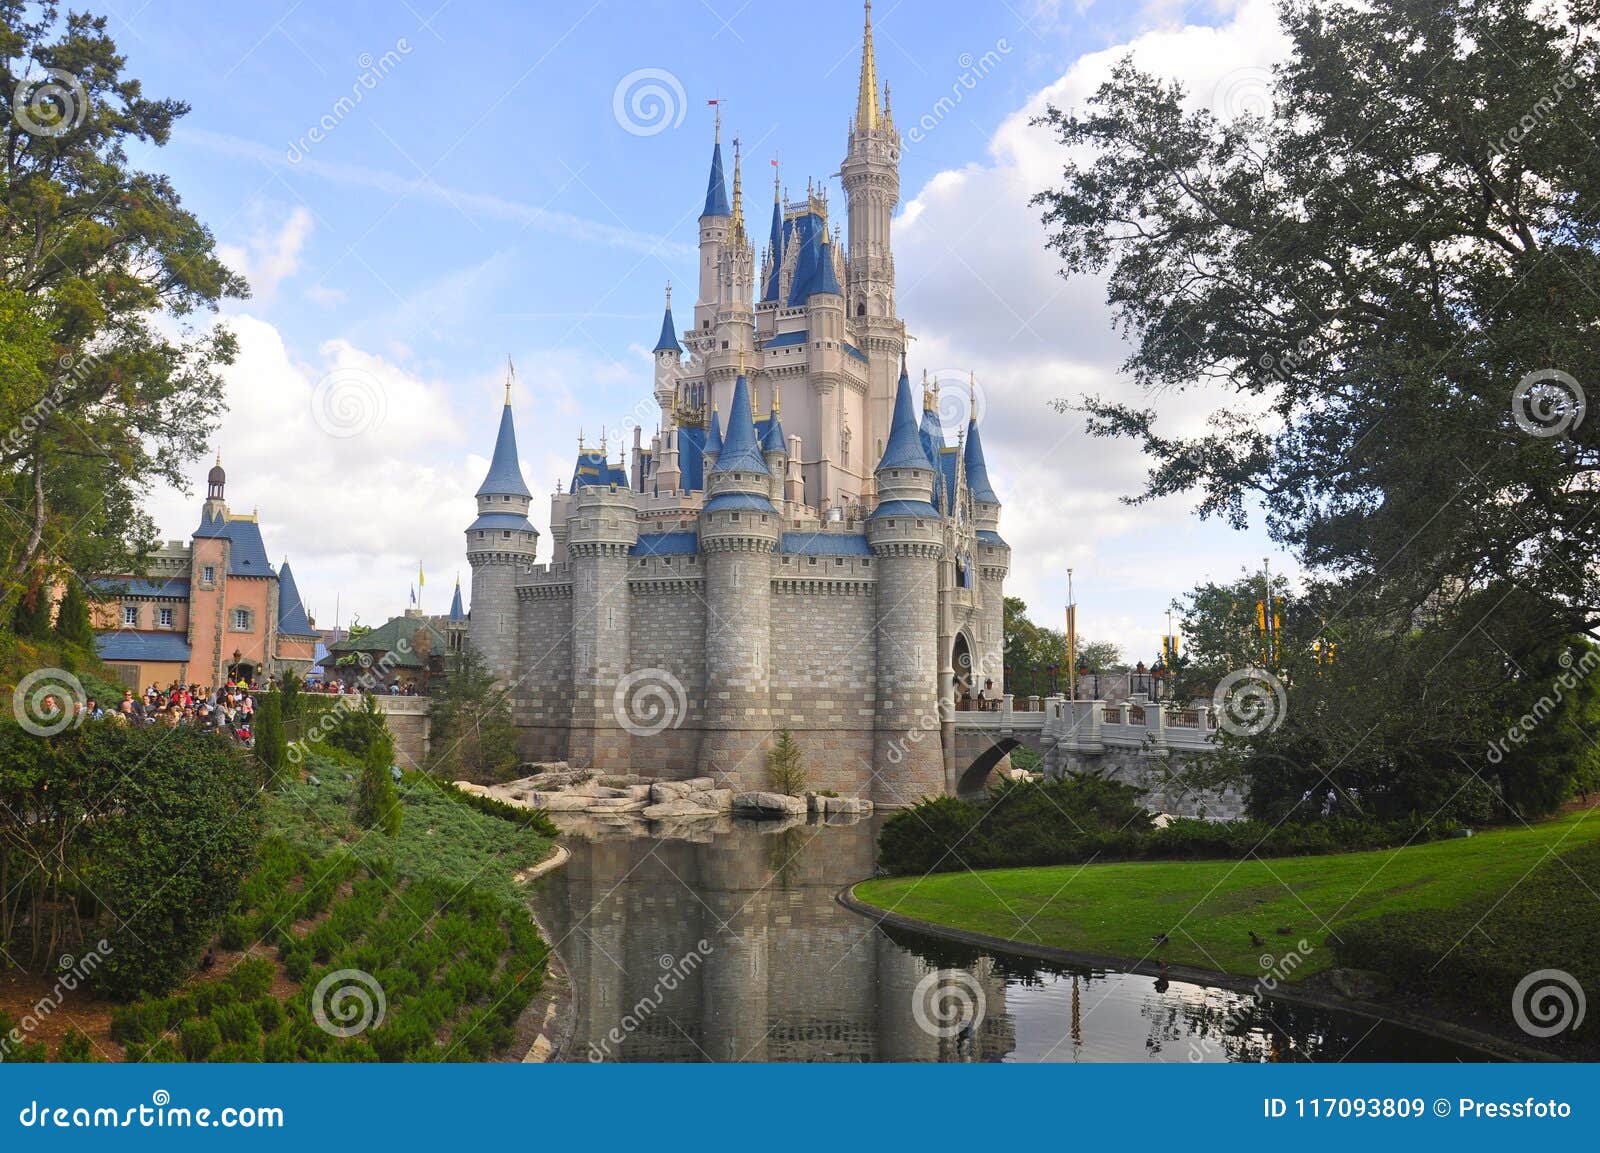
<point x="1072" y="641"/>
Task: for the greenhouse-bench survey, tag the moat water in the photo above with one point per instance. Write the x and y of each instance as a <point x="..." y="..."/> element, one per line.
<point x="730" y="946"/>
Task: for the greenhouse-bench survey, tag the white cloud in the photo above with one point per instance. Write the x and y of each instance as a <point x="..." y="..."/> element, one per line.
<point x="268" y="255"/>
<point x="981" y="291"/>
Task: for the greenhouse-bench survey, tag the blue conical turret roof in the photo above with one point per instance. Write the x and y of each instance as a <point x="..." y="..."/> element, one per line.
<point x="714" y="433"/>
<point x="457" y="613"/>
<point x="825" y="280"/>
<point x="772" y="438"/>
<point x="977" y="470"/>
<point x="668" y="340"/>
<point x="769" y="291"/>
<point x="505" y="471"/>
<point x="291" y="613"/>
<point x="905" y="448"/>
<point x="740" y="452"/>
<point x="716" y="186"/>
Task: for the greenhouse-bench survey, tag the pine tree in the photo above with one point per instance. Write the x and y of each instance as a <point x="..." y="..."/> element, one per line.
<point x="472" y="737"/>
<point x="377" y="801"/>
<point x="72" y="618"/>
<point x="31" y="617"/>
<point x="785" y="772"/>
<point x="271" y="745"/>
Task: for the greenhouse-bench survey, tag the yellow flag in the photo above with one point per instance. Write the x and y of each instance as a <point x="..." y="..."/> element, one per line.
<point x="421" y="580"/>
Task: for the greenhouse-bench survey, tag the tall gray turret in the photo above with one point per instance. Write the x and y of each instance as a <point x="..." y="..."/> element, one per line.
<point x="906" y="534"/>
<point x="601" y="530"/>
<point x="739" y="529"/>
<point x="499" y="542"/>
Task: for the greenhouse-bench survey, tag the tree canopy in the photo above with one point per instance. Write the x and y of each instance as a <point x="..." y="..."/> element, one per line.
<point x="108" y="368"/>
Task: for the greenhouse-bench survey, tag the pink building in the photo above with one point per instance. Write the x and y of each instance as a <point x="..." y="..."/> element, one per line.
<point x="205" y="609"/>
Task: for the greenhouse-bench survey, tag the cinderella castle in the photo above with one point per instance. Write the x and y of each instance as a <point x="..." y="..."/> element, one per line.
<point x="799" y="547"/>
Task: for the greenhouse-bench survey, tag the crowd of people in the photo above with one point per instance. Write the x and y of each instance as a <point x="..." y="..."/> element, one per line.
<point x="228" y="709"/>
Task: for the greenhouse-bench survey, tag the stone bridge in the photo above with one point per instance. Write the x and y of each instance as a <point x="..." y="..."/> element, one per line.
<point x="1136" y="741"/>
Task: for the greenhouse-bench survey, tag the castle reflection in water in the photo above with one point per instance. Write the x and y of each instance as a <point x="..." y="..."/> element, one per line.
<point x="723" y="941"/>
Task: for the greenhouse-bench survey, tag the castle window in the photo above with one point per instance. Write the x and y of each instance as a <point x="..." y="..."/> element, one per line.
<point x="641" y="562"/>
<point x="888" y="524"/>
<point x="786" y="560"/>
<point x="165" y="617"/>
<point x="505" y="534"/>
<point x="866" y="563"/>
<point x="733" y="516"/>
<point x="811" y="560"/>
<point x="480" y="534"/>
<point x="666" y="561"/>
<point x="838" y="560"/>
<point x="130" y="615"/>
<point x="208" y="574"/>
<point x="241" y="620"/>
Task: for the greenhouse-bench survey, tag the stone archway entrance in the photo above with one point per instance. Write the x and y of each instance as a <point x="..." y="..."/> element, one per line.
<point x="974" y="778"/>
<point x="961" y="663"/>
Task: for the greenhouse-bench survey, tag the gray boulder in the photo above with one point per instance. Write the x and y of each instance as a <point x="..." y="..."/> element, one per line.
<point x="769" y="805"/>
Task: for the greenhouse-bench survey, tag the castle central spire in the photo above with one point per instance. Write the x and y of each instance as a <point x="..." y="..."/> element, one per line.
<point x="867" y="94"/>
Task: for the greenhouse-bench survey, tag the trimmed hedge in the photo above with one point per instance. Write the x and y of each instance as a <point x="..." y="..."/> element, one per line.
<point x="1085" y="817"/>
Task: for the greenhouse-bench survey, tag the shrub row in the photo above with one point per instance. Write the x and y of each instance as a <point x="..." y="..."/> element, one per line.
<point x="1083" y="817"/>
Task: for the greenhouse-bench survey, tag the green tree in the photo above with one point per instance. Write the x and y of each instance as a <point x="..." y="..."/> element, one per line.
<point x="109" y="385"/>
<point x="786" y="771"/>
<point x="1374" y="304"/>
<point x="72" y="617"/>
<point x="271" y="742"/>
<point x="289" y="686"/>
<point x="1031" y="650"/>
<point x="472" y="737"/>
<point x="377" y="801"/>
<point x="30" y="614"/>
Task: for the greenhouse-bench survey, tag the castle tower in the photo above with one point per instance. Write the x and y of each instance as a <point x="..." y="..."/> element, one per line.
<point x="994" y="555"/>
<point x="499" y="542"/>
<point x="739" y="530"/>
<point x="905" y="534"/>
<point x="871" y="178"/>
<point x="775" y="451"/>
<point x="715" y="220"/>
<point x="602" y="528"/>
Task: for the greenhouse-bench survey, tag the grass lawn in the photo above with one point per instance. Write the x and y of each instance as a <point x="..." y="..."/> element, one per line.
<point x="1209" y="908"/>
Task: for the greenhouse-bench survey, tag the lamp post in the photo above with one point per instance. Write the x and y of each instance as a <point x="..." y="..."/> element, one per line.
<point x="1158" y="676"/>
<point x="1055" y="673"/>
<point x="1141" y="679"/>
<point x="1083" y="675"/>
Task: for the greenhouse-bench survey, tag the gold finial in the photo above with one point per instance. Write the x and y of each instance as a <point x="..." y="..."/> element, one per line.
<point x="867" y="93"/>
<point x="511" y="375"/>
<point x="580" y="440"/>
<point x="777" y="402"/>
<point x="219" y="458"/>
<point x="602" y="442"/>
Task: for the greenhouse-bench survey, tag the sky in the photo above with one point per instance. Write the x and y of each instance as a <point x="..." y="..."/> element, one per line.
<point x="417" y="192"/>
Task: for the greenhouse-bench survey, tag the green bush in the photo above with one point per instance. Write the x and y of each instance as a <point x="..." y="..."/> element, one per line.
<point x="197" y="1038"/>
<point x="156" y="824"/>
<point x="76" y="1048"/>
<point x="238" y="1023"/>
<point x="534" y="820"/>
